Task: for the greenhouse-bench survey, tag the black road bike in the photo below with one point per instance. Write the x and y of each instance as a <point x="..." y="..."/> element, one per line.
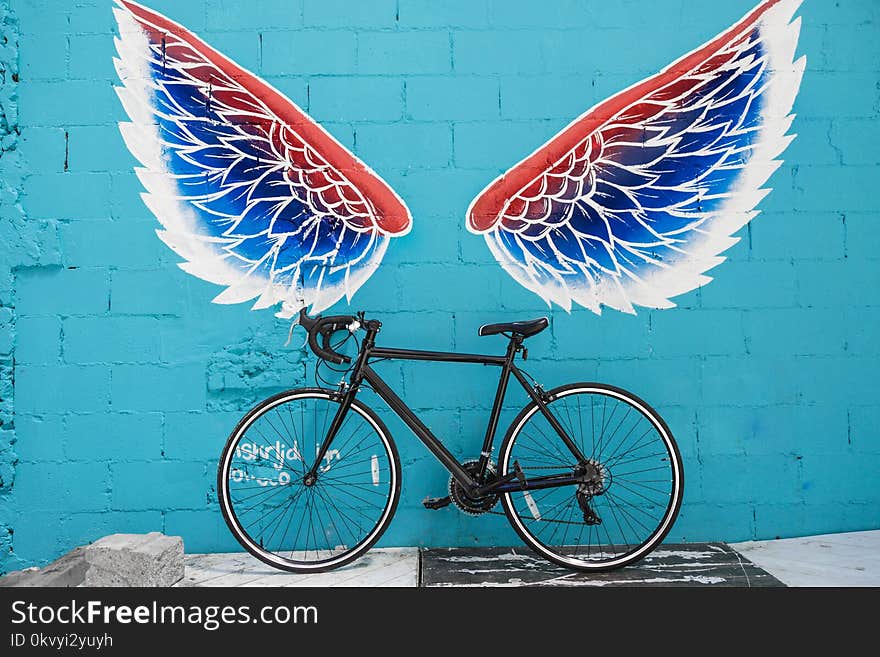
<point x="588" y="474"/>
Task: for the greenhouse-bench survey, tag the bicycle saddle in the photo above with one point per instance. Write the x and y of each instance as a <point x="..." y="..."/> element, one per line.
<point x="526" y="329"/>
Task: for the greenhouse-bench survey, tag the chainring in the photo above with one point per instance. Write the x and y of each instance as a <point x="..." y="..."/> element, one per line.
<point x="463" y="500"/>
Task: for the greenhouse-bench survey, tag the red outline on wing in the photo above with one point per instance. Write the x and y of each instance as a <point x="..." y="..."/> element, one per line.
<point x="486" y="210"/>
<point x="391" y="214"/>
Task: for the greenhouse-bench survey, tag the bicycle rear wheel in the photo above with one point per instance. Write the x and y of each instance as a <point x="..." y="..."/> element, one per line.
<point x="627" y="507"/>
<point x="308" y="527"/>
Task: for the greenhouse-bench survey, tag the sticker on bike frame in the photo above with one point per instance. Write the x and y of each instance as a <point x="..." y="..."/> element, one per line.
<point x="533" y="507"/>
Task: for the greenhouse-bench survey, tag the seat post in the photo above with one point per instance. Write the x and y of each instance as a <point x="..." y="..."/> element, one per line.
<point x="486" y="453"/>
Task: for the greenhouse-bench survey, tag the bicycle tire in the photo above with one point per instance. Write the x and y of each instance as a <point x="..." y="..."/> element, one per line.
<point x="291" y="564"/>
<point x="562" y="555"/>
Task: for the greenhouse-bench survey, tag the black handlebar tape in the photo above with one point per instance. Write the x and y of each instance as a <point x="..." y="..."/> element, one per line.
<point x="326" y="327"/>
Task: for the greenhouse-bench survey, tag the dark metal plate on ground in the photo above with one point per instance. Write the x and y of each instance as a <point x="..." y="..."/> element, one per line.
<point x="692" y="564"/>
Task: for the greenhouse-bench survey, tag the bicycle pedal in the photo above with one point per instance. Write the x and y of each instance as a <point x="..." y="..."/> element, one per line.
<point x="435" y="503"/>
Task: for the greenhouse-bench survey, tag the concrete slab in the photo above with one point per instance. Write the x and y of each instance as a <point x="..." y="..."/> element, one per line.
<point x="379" y="567"/>
<point x="134" y="560"/>
<point x="851" y="559"/>
<point x="694" y="564"/>
<point x="69" y="570"/>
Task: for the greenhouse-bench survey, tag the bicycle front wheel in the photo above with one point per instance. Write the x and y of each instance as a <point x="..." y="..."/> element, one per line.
<point x="633" y="494"/>
<point x="290" y="522"/>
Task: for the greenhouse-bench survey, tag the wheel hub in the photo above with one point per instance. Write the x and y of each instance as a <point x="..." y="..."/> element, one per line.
<point x="466" y="502"/>
<point x="596" y="478"/>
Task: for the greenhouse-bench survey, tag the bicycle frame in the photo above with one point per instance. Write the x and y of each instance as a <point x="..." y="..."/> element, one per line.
<point x="511" y="482"/>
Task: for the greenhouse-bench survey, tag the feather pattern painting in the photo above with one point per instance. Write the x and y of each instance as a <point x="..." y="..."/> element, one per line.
<point x="251" y="192"/>
<point x="633" y="202"/>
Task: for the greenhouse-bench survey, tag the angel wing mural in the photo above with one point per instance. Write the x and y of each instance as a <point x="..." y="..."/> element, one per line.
<point x="635" y="200"/>
<point x="251" y="192"/>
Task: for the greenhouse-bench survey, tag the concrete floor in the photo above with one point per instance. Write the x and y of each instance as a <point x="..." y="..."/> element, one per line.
<point x="830" y="560"/>
<point x="833" y="560"/>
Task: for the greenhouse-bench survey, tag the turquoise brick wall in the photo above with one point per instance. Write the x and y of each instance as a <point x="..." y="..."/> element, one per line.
<point x="119" y="380"/>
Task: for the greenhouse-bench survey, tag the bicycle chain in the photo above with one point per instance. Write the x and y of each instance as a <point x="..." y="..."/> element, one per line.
<point x="537" y="467"/>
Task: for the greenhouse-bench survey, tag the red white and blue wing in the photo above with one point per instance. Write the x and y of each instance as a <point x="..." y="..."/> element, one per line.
<point x="637" y="198"/>
<point x="250" y="191"/>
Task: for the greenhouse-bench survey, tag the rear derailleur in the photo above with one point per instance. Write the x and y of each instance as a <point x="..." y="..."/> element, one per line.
<point x="595" y="480"/>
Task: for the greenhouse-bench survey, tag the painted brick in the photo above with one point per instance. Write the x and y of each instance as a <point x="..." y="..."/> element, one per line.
<point x="840" y="477"/>
<point x="242" y="47"/>
<point x="147" y="292"/>
<point x="860" y="325"/>
<point x="58" y="486"/>
<point x="737" y="381"/>
<point x="388" y="53"/>
<point x="95" y="19"/>
<point x="85" y="156"/>
<point x="85" y="102"/>
<point x="450" y="13"/>
<point x="406" y="145"/>
<point x="851" y="48"/>
<point x="863" y="432"/>
<point x="706" y="332"/>
<point x="96" y="243"/>
<point x="125" y="198"/>
<point x="88" y="57"/>
<point x="34" y="19"/>
<point x="812" y="189"/>
<point x="458" y="286"/>
<point x="793" y="430"/>
<point x="356" y="99"/>
<point x="88" y="194"/>
<point x="495" y="146"/>
<point x="46" y="147"/>
<point x="779" y="236"/>
<point x="521" y="13"/>
<point x="610" y="336"/>
<point x="670" y="382"/>
<point x="745" y="478"/>
<point x="820" y="94"/>
<point x="38" y="340"/>
<point x="234" y="15"/>
<point x="42" y="58"/>
<point x="526" y="97"/>
<point x="71" y="388"/>
<point x="62" y="291"/>
<point x="751" y="285"/>
<point x="835" y="284"/>
<point x="703" y="522"/>
<point x="340" y="13"/>
<point x="82" y="528"/>
<point x="302" y="52"/>
<point x="794" y="331"/>
<point x="111" y="339"/>
<point x="113" y="436"/>
<point x="39" y="438"/>
<point x="856" y="141"/>
<point x="192" y="13"/>
<point x="155" y="388"/>
<point x="443" y="193"/>
<point x="862" y="236"/>
<point x="511" y="51"/>
<point x="195" y="436"/>
<point x="160" y="485"/>
<point x="451" y="98"/>
<point x="428" y="236"/>
<point x="202" y="531"/>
